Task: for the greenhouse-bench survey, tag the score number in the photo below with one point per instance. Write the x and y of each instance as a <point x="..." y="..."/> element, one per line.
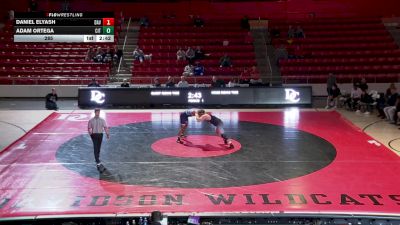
<point x="108" y="21"/>
<point x="108" y="26"/>
<point x="108" y="30"/>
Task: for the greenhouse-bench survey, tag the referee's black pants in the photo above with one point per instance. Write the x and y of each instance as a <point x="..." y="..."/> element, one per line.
<point x="97" y="138"/>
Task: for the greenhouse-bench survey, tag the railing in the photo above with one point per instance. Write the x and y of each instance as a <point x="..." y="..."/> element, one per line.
<point x="267" y="55"/>
<point x="285" y="79"/>
<point x="123" y="48"/>
<point x="198" y="80"/>
<point x="51" y="80"/>
<point x="312" y="79"/>
<point x="193" y="80"/>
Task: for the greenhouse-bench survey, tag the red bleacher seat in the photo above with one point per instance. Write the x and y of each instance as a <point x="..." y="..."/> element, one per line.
<point x="349" y="48"/>
<point x="162" y="40"/>
<point x="46" y="63"/>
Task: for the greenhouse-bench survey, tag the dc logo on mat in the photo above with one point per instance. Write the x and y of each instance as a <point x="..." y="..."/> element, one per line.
<point x="98" y="97"/>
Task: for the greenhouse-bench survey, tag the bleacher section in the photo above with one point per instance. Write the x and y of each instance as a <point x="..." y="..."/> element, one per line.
<point x="163" y="38"/>
<point x="349" y="48"/>
<point x="48" y="63"/>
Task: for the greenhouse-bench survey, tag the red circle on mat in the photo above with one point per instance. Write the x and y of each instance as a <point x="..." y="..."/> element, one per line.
<point x="194" y="146"/>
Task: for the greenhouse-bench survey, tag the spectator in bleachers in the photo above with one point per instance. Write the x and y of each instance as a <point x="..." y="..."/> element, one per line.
<point x="99" y="55"/>
<point x="190" y="54"/>
<point x="90" y="54"/>
<point x="188" y="70"/>
<point x="391" y="102"/>
<point x="397" y="111"/>
<point x="391" y="111"/>
<point x="198" y="69"/>
<point x="183" y="82"/>
<point x="118" y="53"/>
<point x="355" y="96"/>
<point x="363" y="85"/>
<point x="254" y="75"/>
<point x="199" y="54"/>
<point x="334" y="96"/>
<point x="389" y="99"/>
<point x="299" y="32"/>
<point x="125" y="83"/>
<point x="138" y="54"/>
<point x="244" y="23"/>
<point x="51" y="100"/>
<point x="225" y="61"/>
<point x="365" y="102"/>
<point x="281" y="54"/>
<point x="94" y="83"/>
<point x="291" y="32"/>
<point x="233" y="83"/>
<point x="122" y="19"/>
<point x="391" y="91"/>
<point x="391" y="95"/>
<point x="329" y="84"/>
<point x="170" y="82"/>
<point x="144" y="21"/>
<point x="198" y="22"/>
<point x="108" y="55"/>
<point x="156" y="82"/>
<point x="217" y="82"/>
<point x="245" y="76"/>
<point x="380" y="105"/>
<point x="180" y="55"/>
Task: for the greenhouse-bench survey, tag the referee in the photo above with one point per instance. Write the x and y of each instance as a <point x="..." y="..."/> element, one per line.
<point x="96" y="125"/>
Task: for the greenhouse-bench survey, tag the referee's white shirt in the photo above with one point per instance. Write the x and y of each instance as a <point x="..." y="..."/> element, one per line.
<point x="97" y="124"/>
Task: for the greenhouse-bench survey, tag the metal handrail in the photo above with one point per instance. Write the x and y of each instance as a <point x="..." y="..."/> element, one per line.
<point x="310" y="79"/>
<point x="58" y="80"/>
<point x="266" y="54"/>
<point x="123" y="47"/>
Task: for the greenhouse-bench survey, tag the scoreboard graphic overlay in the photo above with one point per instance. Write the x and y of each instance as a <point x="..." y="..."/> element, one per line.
<point x="64" y="27"/>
